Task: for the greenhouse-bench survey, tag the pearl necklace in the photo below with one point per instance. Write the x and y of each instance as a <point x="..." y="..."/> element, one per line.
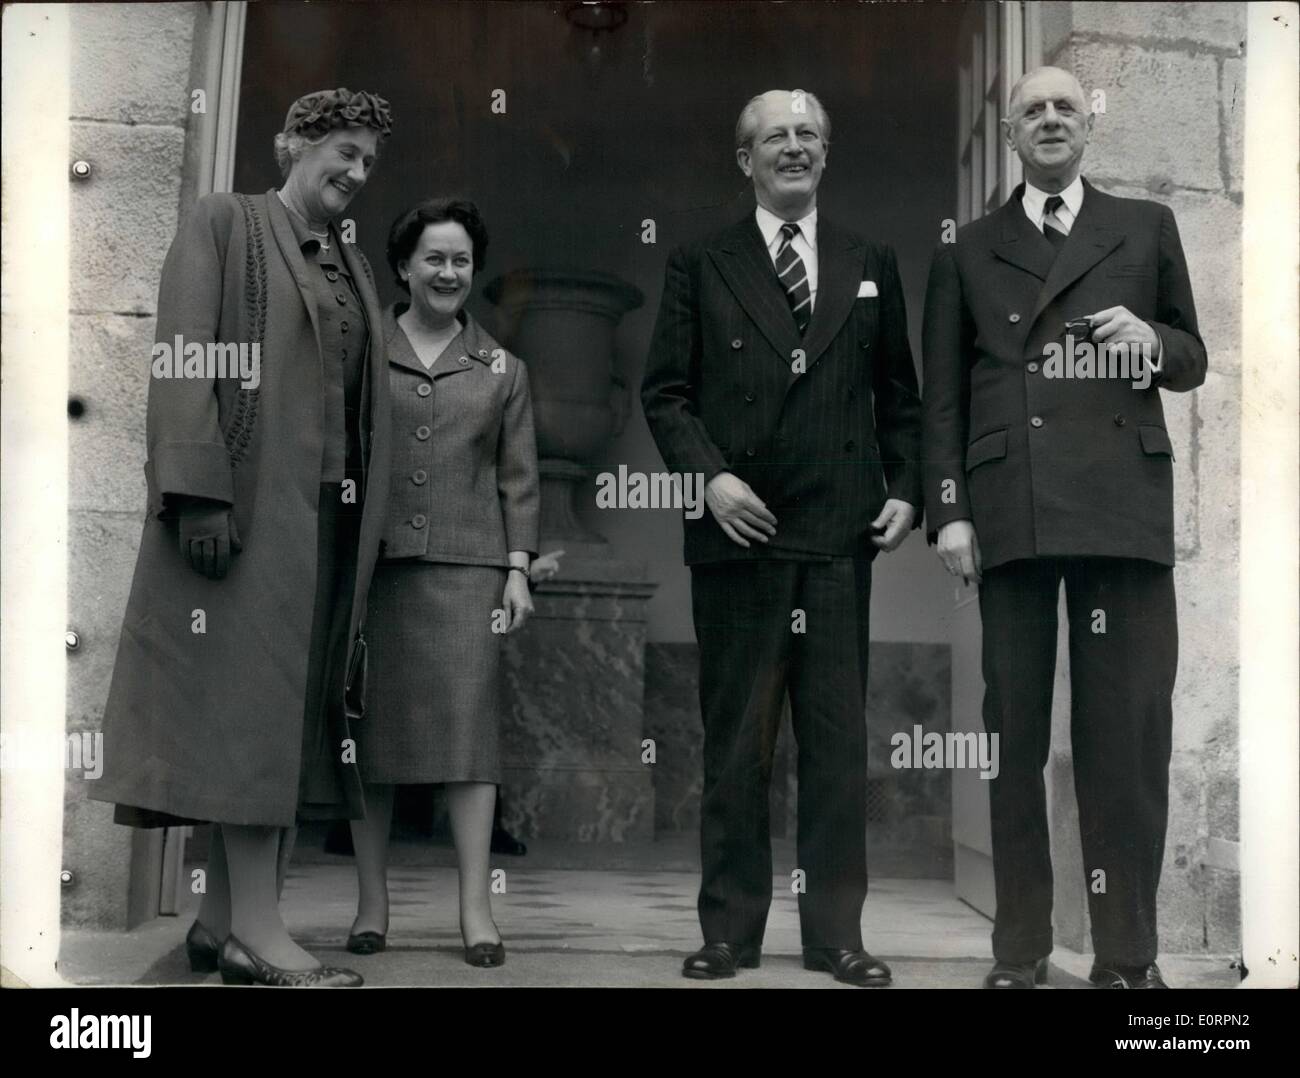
<point x="321" y="237"/>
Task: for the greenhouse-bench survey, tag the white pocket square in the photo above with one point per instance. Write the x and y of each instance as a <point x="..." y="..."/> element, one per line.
<point x="867" y="288"/>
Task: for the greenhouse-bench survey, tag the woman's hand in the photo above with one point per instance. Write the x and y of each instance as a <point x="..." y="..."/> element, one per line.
<point x="516" y="600"/>
<point x="207" y="536"/>
<point x="545" y="567"/>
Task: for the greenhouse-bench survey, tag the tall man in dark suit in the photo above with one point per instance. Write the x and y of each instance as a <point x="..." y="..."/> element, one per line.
<point x="1043" y="466"/>
<point x="780" y="370"/>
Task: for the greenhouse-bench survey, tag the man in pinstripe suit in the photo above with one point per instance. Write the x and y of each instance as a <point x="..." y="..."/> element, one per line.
<point x="780" y="370"/>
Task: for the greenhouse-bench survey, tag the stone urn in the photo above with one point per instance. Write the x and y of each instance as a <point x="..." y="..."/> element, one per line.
<point x="561" y="323"/>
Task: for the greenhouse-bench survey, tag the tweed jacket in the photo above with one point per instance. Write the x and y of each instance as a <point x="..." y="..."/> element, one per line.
<point x="823" y="427"/>
<point x="204" y="716"/>
<point x="1047" y="466"/>
<point x="464" y="485"/>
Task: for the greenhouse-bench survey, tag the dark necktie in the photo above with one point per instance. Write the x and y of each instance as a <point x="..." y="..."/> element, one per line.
<point x="1053" y="227"/>
<point x="793" y="275"/>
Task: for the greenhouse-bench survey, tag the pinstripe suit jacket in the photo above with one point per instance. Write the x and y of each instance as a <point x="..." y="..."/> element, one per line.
<point x="823" y="428"/>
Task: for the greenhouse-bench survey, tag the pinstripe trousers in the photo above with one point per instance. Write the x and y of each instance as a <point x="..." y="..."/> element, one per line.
<point x="765" y="628"/>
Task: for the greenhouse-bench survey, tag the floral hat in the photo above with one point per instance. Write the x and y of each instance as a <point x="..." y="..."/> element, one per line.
<point x="317" y="114"/>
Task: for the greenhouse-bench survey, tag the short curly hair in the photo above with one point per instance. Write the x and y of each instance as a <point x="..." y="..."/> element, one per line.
<point x="409" y="227"/>
<point x="313" y="116"/>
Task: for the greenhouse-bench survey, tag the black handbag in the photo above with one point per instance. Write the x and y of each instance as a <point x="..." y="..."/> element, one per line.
<point x="354" y="688"/>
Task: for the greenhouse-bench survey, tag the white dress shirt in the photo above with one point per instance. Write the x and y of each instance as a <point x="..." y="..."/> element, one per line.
<point x="804" y="244"/>
<point x="1034" y="201"/>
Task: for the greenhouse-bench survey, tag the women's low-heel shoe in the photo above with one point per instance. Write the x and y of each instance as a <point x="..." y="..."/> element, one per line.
<point x="202" y="948"/>
<point x="486" y="955"/>
<point x="239" y="965"/>
<point x="367" y="942"/>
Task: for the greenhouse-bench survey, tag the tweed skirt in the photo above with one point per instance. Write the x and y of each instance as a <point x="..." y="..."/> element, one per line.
<point x="433" y="690"/>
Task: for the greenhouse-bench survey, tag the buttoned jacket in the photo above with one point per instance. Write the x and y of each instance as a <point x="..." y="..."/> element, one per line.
<point x="464" y="487"/>
<point x="1049" y="466"/>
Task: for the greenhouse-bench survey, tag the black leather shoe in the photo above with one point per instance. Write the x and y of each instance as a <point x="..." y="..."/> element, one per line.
<point x="367" y="942"/>
<point x="486" y="955"/>
<point x="239" y="965"/>
<point x="1113" y="976"/>
<point x="717" y="960"/>
<point x="1017" y="974"/>
<point x="851" y="967"/>
<point x="202" y="948"/>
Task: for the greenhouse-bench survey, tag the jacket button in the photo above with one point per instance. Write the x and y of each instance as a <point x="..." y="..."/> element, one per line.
<point x="341" y="298"/>
<point x="749" y="398"/>
<point x="1032" y="368"/>
<point x="750" y="451"/>
<point x="1119" y="420"/>
<point x="1037" y="421"/>
<point x="737" y="343"/>
<point x="422" y="432"/>
<point x="424" y="389"/>
<point x="330" y="275"/>
<point x="850" y="445"/>
<point x="418" y="521"/>
<point x="344" y="325"/>
<point x="482" y="353"/>
<point x="865" y="344"/>
<point x="1014" y="318"/>
<point x="419" y="477"/>
<point x="463" y="361"/>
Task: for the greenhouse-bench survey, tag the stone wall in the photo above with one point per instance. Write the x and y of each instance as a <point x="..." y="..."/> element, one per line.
<point x="130" y="99"/>
<point x="1174" y="81"/>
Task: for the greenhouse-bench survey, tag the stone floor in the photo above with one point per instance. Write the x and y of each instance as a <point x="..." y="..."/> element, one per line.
<point x="618" y="918"/>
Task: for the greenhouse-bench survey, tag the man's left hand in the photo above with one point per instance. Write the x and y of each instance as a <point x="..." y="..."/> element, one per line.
<point x="893" y="524"/>
<point x="1119" y="325"/>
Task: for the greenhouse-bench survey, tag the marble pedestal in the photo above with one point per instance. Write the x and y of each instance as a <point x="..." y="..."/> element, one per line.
<point x="575" y="692"/>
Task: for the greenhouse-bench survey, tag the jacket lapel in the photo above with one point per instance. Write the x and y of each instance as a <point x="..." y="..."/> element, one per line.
<point x="375" y="367"/>
<point x="745" y="265"/>
<point x="1019" y="243"/>
<point x="1091" y="239"/>
<point x="839" y="262"/>
<point x="282" y="230"/>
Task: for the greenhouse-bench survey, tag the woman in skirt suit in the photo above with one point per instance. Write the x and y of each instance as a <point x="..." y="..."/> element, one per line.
<point x="453" y="578"/>
<point x="227" y="699"/>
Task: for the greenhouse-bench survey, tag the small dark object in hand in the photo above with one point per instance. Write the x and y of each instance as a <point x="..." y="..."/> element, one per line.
<point x="1079" y="327"/>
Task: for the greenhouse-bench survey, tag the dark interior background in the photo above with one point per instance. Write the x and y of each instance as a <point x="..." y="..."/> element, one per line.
<point x="603" y="131"/>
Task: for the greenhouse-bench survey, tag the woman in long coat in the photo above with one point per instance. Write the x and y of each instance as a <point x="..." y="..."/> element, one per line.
<point x="228" y="697"/>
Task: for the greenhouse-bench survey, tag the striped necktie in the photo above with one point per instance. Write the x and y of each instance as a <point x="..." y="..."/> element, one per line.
<point x="793" y="275"/>
<point x="1053" y="227"/>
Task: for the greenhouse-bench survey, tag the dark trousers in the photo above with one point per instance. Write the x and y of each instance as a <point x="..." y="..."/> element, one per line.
<point x="747" y="617"/>
<point x="1123" y="628"/>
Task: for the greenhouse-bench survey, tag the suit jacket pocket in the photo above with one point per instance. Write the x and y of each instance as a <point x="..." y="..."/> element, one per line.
<point x="1139" y="269"/>
<point x="1155" y="442"/>
<point x="987" y="447"/>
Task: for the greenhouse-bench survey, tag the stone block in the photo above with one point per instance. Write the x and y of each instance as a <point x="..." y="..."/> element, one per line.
<point x="1173" y="25"/>
<point x="102" y="550"/>
<point x="124" y="216"/>
<point x="1209" y="229"/>
<point x="1181" y="902"/>
<point x="131" y="62"/>
<point x="98" y="852"/>
<point x="1161" y="124"/>
<point x="109" y="373"/>
<point x="1222" y="933"/>
<point x="1232" y="101"/>
<point x="1208" y="664"/>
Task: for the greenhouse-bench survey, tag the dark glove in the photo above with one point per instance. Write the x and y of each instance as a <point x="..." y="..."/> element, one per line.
<point x="207" y="536"/>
